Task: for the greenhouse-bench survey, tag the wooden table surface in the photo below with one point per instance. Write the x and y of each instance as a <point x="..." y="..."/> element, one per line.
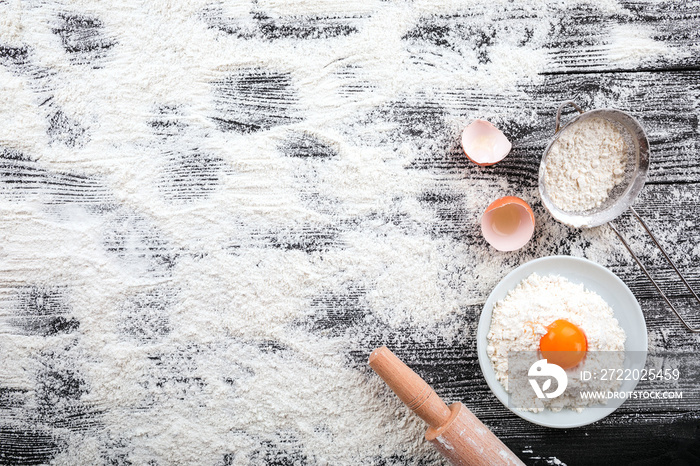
<point x="664" y="95"/>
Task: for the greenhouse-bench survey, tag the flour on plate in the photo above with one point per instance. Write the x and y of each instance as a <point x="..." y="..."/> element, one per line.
<point x="584" y="164"/>
<point x="520" y="320"/>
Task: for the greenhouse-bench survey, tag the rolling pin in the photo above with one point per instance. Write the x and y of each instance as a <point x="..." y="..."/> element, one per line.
<point x="454" y="430"/>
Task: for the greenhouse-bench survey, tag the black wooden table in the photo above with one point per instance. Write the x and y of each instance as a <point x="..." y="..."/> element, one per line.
<point x="663" y="96"/>
<point x="663" y="93"/>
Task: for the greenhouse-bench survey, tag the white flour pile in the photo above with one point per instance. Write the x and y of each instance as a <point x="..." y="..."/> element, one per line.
<point x="520" y="320"/>
<point x="584" y="164"/>
<point x="211" y="212"/>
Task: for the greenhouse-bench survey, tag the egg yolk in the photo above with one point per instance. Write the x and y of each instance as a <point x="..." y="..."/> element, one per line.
<point x="564" y="344"/>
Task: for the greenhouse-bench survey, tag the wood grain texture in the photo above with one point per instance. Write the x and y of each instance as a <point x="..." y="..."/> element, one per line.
<point x="579" y="38"/>
<point x="581" y="63"/>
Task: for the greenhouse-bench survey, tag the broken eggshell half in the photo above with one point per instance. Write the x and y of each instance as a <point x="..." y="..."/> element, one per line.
<point x="484" y="144"/>
<point x="508" y="223"/>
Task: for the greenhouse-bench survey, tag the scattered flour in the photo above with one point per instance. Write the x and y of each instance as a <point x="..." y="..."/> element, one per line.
<point x="521" y="319"/>
<point x="584" y="164"/>
<point x="631" y="45"/>
<point x="178" y="293"/>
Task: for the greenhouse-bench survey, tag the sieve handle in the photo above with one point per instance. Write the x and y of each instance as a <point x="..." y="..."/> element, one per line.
<point x="561" y="107"/>
<point x="646" y="272"/>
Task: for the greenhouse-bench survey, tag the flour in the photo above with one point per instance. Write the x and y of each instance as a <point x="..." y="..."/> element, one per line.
<point x="520" y="320"/>
<point x="191" y="278"/>
<point x="631" y="45"/>
<point x="584" y="164"/>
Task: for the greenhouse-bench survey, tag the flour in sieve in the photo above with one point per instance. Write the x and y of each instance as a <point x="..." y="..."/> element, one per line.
<point x="520" y="320"/>
<point x="584" y="164"/>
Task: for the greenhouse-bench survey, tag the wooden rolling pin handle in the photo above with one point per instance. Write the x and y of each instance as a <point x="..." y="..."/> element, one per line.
<point x="454" y="431"/>
<point x="409" y="387"/>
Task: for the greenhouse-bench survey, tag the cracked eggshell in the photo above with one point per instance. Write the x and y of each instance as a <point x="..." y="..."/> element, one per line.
<point x="484" y="144"/>
<point x="508" y="223"/>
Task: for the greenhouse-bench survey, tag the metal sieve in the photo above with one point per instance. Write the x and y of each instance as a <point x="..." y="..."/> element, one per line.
<point x="622" y="197"/>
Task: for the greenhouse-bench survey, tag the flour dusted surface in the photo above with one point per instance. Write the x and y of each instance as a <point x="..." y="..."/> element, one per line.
<point x="520" y="319"/>
<point x="213" y="211"/>
<point x="584" y="164"/>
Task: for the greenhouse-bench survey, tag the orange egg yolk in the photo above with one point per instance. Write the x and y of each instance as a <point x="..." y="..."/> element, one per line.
<point x="564" y="344"/>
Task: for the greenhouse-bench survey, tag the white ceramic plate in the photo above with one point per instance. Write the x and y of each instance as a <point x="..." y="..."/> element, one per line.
<point x="595" y="278"/>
